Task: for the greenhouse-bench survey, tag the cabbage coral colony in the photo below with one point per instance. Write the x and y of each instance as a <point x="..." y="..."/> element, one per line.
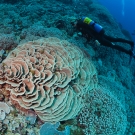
<point x="49" y="76"/>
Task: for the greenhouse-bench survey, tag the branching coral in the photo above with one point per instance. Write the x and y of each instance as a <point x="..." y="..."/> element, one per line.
<point x="49" y="76"/>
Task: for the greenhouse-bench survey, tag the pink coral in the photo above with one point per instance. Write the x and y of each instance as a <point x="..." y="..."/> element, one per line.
<point x="49" y="76"/>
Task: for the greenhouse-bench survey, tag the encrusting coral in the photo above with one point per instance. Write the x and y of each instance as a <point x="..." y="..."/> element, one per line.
<point x="102" y="114"/>
<point x="49" y="76"/>
<point x="4" y="109"/>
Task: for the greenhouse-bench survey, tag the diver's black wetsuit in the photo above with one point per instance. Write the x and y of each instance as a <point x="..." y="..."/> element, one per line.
<point x="103" y="39"/>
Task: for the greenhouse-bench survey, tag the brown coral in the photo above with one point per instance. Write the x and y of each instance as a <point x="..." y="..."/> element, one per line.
<point x="49" y="76"/>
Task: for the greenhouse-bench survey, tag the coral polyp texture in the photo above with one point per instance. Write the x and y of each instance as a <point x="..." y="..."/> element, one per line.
<point x="103" y="114"/>
<point x="49" y="76"/>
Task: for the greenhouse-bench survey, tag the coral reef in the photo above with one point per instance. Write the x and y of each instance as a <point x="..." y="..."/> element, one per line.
<point x="7" y="42"/>
<point x="16" y="124"/>
<point x="3" y="128"/>
<point x="1" y="54"/>
<point x="22" y="21"/>
<point x="103" y="114"/>
<point x="4" y="109"/>
<point x="51" y="129"/>
<point x="31" y="117"/>
<point x="50" y="76"/>
<point x="36" y="31"/>
<point x="12" y="2"/>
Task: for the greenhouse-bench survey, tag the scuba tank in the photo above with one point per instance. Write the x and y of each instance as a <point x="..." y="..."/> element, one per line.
<point x="95" y="26"/>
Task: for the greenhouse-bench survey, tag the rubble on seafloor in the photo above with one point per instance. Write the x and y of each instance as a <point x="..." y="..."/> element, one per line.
<point x="17" y="124"/>
<point x="14" y="123"/>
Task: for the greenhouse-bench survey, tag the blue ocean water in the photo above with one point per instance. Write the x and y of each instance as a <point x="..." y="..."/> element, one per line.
<point x="123" y="11"/>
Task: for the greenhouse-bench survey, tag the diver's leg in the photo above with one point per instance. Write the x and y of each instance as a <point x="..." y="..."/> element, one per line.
<point x="120" y="48"/>
<point x="112" y="39"/>
<point x="117" y="47"/>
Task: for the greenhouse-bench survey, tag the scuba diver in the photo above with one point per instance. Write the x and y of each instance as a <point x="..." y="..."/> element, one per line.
<point x="89" y="29"/>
